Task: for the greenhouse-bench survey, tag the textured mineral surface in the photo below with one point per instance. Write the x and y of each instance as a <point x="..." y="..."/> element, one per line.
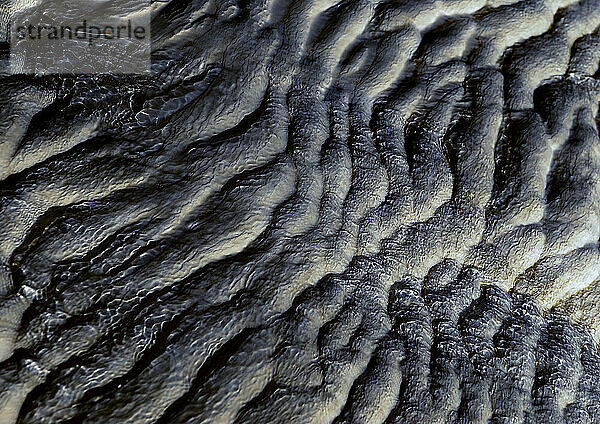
<point x="309" y="212"/>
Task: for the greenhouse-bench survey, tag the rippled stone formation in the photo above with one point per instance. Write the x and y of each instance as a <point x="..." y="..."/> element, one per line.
<point x="310" y="212"/>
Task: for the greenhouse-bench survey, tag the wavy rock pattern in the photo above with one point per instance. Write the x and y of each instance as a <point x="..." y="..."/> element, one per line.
<point x="311" y="212"/>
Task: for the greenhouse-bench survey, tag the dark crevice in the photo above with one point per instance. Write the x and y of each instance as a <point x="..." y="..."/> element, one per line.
<point x="215" y="362"/>
<point x="252" y="119"/>
<point x="262" y="398"/>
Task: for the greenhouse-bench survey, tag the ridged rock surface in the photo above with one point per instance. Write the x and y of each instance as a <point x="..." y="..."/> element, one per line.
<point x="310" y="212"/>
